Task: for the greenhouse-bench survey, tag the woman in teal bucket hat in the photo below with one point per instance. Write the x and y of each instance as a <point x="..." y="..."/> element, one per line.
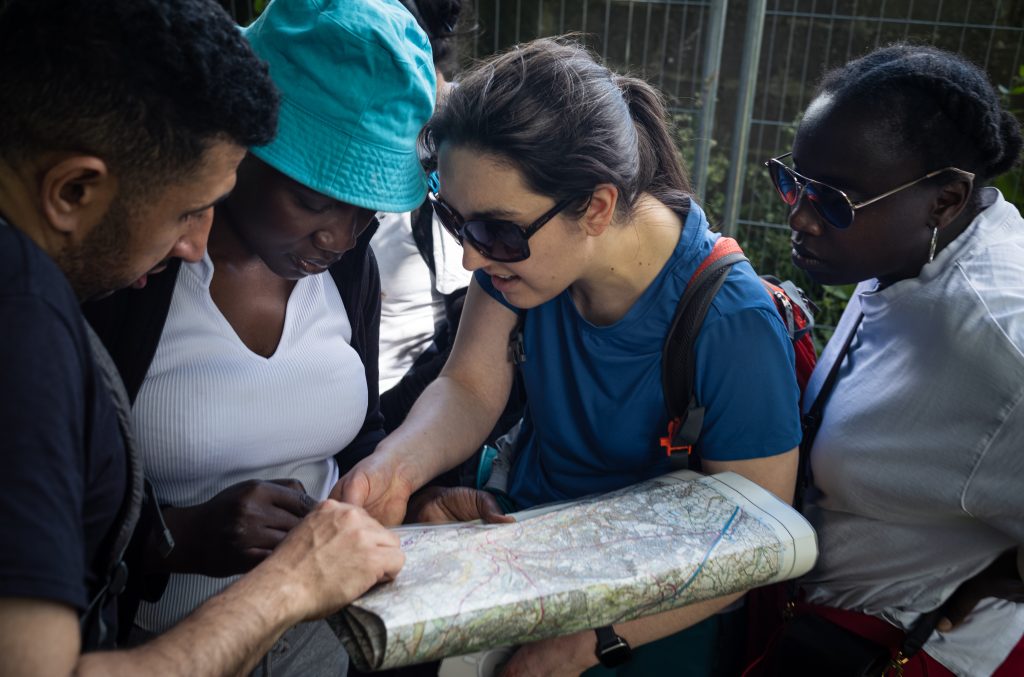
<point x="253" y="373"/>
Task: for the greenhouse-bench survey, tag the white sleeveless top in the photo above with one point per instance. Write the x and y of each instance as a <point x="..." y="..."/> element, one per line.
<point x="407" y="303"/>
<point x="411" y="302"/>
<point x="212" y="413"/>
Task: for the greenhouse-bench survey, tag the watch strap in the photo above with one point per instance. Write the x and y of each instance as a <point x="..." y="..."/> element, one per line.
<point x="612" y="650"/>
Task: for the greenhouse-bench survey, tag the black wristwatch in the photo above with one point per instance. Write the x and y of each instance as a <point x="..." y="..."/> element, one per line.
<point x="611" y="650"/>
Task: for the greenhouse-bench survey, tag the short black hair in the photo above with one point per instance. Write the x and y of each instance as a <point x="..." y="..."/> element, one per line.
<point x="146" y="85"/>
<point x="942" y="107"/>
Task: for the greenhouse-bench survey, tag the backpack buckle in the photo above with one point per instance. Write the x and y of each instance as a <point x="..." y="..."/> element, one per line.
<point x="669" y="441"/>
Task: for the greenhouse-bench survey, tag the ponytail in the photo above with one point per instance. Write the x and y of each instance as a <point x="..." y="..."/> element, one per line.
<point x="660" y="173"/>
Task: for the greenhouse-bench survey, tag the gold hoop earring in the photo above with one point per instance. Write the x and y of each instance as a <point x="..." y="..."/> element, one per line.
<point x="931" y="249"/>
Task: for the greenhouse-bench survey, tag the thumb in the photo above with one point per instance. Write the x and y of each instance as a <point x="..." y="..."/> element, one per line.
<point x="352" y="490"/>
<point x="489" y="510"/>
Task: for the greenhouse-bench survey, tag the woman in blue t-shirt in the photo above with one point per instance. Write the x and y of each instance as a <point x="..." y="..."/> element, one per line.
<point x="563" y="180"/>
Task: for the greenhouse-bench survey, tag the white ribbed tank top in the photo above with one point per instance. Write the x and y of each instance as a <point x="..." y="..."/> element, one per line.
<point x="212" y="413"/>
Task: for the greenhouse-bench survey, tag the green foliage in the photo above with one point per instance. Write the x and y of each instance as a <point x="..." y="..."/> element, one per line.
<point x="1011" y="184"/>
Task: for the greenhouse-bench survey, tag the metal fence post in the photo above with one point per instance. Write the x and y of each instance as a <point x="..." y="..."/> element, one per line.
<point x="744" y="111"/>
<point x="709" y="95"/>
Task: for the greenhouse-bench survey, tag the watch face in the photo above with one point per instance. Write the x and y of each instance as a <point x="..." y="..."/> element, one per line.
<point x="615" y="655"/>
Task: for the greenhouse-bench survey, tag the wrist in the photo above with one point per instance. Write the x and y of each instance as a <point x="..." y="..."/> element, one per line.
<point x="581" y="650"/>
<point x="282" y="598"/>
<point x="569" y="654"/>
<point x="408" y="470"/>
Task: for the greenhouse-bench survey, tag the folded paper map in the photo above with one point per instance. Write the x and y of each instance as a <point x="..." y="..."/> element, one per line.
<point x="651" y="547"/>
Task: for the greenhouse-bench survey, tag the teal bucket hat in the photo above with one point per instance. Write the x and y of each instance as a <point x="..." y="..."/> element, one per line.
<point x="357" y="84"/>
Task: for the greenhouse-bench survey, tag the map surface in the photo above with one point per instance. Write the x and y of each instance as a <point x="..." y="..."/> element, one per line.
<point x="655" y="546"/>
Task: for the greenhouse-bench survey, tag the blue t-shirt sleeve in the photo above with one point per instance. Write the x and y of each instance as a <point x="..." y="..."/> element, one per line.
<point x="42" y="550"/>
<point x="746" y="381"/>
<point x="484" y="280"/>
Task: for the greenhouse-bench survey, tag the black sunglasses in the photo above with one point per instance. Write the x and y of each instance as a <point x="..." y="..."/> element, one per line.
<point x="498" y="240"/>
<point x="831" y="203"/>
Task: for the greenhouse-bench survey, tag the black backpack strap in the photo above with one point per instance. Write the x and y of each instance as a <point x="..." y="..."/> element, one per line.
<point x="916" y="637"/>
<point x="678" y="358"/>
<point x="811" y="421"/>
<point x="115" y="573"/>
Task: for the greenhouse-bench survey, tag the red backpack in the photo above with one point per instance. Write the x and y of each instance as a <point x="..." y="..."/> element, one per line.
<point x="678" y="354"/>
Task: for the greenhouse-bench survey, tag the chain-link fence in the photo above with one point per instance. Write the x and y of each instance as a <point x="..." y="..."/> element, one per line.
<point x="738" y="74"/>
<point x="676" y="45"/>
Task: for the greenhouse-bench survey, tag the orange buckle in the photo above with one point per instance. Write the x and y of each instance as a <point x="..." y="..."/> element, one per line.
<point x="673" y="428"/>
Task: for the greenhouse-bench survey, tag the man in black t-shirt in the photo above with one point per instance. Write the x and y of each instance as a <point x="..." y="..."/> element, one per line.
<point x="63" y="467"/>
<point x="123" y="124"/>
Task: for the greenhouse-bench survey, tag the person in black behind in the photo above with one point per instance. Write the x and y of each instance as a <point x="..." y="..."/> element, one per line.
<point x="124" y="122"/>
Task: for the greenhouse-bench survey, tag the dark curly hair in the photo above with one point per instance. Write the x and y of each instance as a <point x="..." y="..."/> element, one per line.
<point x="146" y="85"/>
<point x="439" y="19"/>
<point x="941" y="107"/>
<point x="567" y="123"/>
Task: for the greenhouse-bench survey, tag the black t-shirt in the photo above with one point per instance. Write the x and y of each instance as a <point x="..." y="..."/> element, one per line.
<point x="62" y="458"/>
